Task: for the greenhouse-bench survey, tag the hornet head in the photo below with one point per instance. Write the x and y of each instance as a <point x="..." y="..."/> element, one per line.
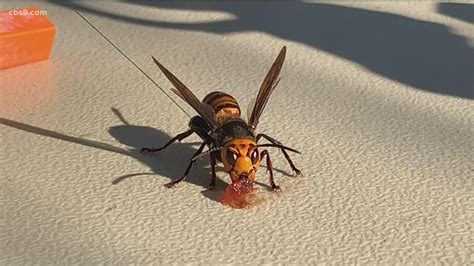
<point x="241" y="159"/>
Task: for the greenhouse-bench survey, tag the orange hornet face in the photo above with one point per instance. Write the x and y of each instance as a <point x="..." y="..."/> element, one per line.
<point x="241" y="159"/>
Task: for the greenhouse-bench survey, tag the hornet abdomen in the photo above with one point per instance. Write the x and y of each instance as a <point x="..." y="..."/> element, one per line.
<point x="224" y="105"/>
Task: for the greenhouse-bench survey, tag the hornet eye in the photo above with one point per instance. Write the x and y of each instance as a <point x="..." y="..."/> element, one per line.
<point x="254" y="157"/>
<point x="231" y="157"/>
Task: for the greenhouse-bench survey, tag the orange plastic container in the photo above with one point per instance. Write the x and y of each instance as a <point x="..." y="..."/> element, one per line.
<point x="26" y="36"/>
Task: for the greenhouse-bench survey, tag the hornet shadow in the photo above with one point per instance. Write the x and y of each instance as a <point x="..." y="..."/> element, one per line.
<point x="170" y="162"/>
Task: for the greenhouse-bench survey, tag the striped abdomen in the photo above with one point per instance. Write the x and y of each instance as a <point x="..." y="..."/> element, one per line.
<point x="225" y="106"/>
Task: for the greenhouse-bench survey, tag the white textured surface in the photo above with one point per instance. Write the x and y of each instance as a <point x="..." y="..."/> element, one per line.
<point x="388" y="165"/>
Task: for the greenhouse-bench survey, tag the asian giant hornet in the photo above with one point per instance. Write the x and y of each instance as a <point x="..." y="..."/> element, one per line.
<point x="229" y="138"/>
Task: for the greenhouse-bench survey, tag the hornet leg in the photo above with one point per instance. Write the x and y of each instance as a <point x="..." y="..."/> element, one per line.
<point x="174" y="182"/>
<point x="212" y="185"/>
<point x="274" y="141"/>
<point x="179" y="137"/>
<point x="269" y="169"/>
